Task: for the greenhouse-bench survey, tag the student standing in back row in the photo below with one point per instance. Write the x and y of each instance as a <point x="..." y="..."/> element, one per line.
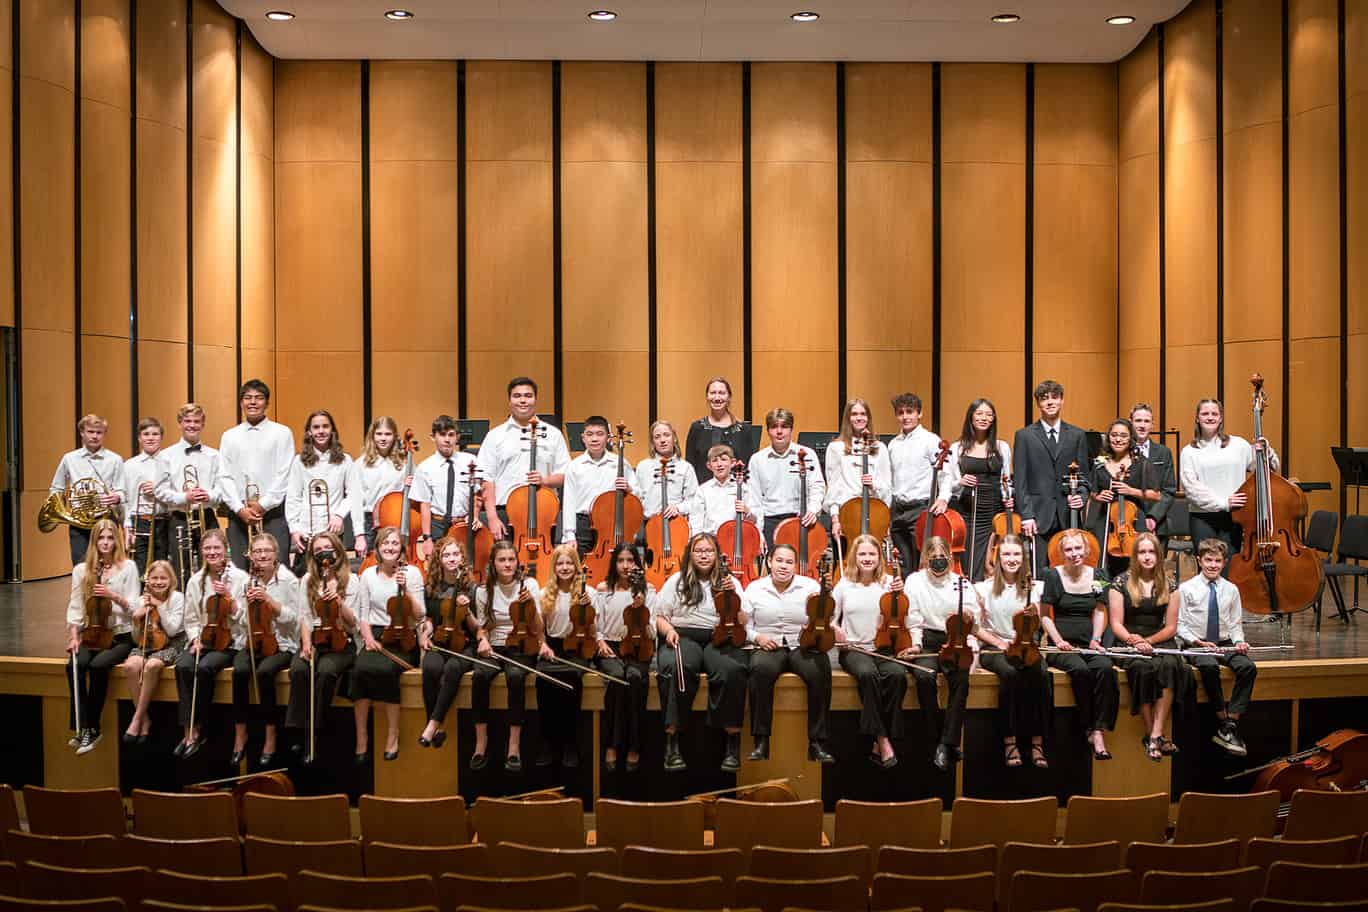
<point x="91" y="461"/>
<point x="911" y="459"/>
<point x="1041" y="454"/>
<point x="256" y="455"/>
<point x="774" y="476"/>
<point x="503" y="459"/>
<point x="590" y="474"/>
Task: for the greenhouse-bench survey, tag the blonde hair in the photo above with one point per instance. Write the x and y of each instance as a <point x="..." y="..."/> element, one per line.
<point x="370" y="453"/>
<point x="190" y="408"/>
<point x="776" y="417"/>
<point x="1134" y="575"/>
<point x="92" y="558"/>
<point x="852" y="567"/>
<point x="1067" y="534"/>
<point x="934" y="545"/>
<point x="553" y="589"/>
<point x="92" y="420"/>
<point x="674" y="436"/>
<point x="848" y="432"/>
<point x="165" y="566"/>
<point x="1023" y="576"/>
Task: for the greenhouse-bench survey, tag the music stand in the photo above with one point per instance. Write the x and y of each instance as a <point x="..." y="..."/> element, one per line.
<point x="1353" y="467"/>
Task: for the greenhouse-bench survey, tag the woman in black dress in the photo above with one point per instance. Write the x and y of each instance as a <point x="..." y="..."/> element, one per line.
<point x="1073" y="617"/>
<point x="718" y="426"/>
<point x="1118" y="472"/>
<point x="975" y="470"/>
<point x="1143" y="604"/>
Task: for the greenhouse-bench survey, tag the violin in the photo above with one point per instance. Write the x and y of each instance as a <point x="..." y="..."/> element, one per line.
<point x="956" y="652"/>
<point x="812" y="541"/>
<point x="867" y="513"/>
<point x="817" y="634"/>
<point x="262" y="622"/>
<point x="639" y="641"/>
<point x="615" y="515"/>
<point x="1122" y="514"/>
<point x="1274" y="570"/>
<point x="96" y="632"/>
<point x="217" y="632"/>
<point x="949" y="525"/>
<point x="741" y="538"/>
<point x="727" y="603"/>
<point x="148" y="632"/>
<point x="522" y="614"/>
<point x="1024" y="650"/>
<point x="328" y="614"/>
<point x="1007" y="522"/>
<point x="400" y="630"/>
<point x="661" y="560"/>
<point x="398" y="509"/>
<point x="478" y="542"/>
<point x="450" y="632"/>
<point x="1055" y="550"/>
<point x="582" y="640"/>
<point x="893" y="607"/>
<point x="528" y="502"/>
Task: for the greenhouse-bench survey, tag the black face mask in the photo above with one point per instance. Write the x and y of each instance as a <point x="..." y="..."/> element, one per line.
<point x="325" y="558"/>
<point x="940" y="564"/>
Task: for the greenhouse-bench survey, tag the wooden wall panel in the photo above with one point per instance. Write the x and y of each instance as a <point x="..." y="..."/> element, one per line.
<point x="105" y="372"/>
<point x="6" y="172"/>
<point x="47" y="47"/>
<point x="983" y="122"/>
<point x="508" y="248"/>
<point x="257" y="86"/>
<point x="1356" y="116"/>
<point x="1138" y="228"/>
<point x="308" y="380"/>
<point x="161" y="379"/>
<point x="603" y="232"/>
<point x="888" y="234"/>
<point x="698" y="235"/>
<point x="793" y="241"/>
<point x="413" y="221"/>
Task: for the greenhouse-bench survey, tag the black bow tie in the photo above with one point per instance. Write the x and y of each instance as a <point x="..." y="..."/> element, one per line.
<point x="195" y="448"/>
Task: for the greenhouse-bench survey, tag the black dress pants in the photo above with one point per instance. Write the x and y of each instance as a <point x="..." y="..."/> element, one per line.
<point x="559" y="708"/>
<point x="442" y="675"/>
<point x="813" y="667"/>
<point x="515" y="679"/>
<point x="624" y="708"/>
<point x="1023" y="693"/>
<point x="882" y="686"/>
<point x="1096" y="691"/>
<point x="328" y="668"/>
<point x="264" y="709"/>
<point x="943" y="731"/>
<point x="211" y="662"/>
<point x="92" y="676"/>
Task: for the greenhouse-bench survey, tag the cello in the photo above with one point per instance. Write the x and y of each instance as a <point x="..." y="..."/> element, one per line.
<point x="398" y="510"/>
<point x="615" y="515"/>
<point x="477" y="542"/>
<point x="867" y="513"/>
<point x="661" y="534"/>
<point x="810" y="542"/>
<point x="528" y="502"/>
<point x="817" y="634"/>
<point x="949" y="525"/>
<point x="740" y="538"/>
<point x="1274" y="570"/>
<point x="893" y="607"/>
<point x="1055" y="550"/>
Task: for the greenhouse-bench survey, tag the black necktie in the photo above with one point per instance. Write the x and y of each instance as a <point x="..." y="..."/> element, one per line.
<point x="451" y="486"/>
<point x="195" y="448"/>
<point x="1054" y="440"/>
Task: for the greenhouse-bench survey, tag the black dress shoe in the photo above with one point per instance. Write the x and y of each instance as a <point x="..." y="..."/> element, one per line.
<point x="817" y="751"/>
<point x="544" y="757"/>
<point x="478" y="761"/>
<point x="236" y="758"/>
<point x="570" y="757"/>
<point x="299" y="749"/>
<point x="610" y="766"/>
<point x="392" y="755"/>
<point x="761" y="749"/>
<point x="674" y="760"/>
<point x="440" y="738"/>
<point x="945" y="757"/>
<point x="632" y="765"/>
<point x="129" y="738"/>
<point x="513" y="764"/>
<point x="264" y="761"/>
<point x="140" y="740"/>
<point x="731" y="761"/>
<point x="179" y="750"/>
<point x="424" y="742"/>
<point x="361" y="759"/>
<point x="192" y="748"/>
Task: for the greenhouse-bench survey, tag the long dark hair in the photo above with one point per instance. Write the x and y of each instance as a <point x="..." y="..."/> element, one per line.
<point x="307" y="454"/>
<point x="491" y="578"/>
<point x="967" y="433"/>
<point x="614" y="578"/>
<point x="1197" y="425"/>
<point x="690" y="585"/>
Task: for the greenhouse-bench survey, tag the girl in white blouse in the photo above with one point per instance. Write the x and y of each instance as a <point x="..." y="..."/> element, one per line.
<point x="624" y="708"/>
<point x="143" y="668"/>
<point x="278" y="588"/>
<point x="559" y="708"/>
<point x="375" y="676"/>
<point x="378" y="471"/>
<point x="845" y="464"/>
<point x="934" y="593"/>
<point x="882" y="685"/>
<point x="1024" y="689"/>
<point x="200" y="663"/>
<point x="680" y="481"/>
<point x="502" y="588"/>
<point x="321" y="457"/>
<point x="327" y="577"/>
<point x="106" y="572"/>
<point x="1212" y="468"/>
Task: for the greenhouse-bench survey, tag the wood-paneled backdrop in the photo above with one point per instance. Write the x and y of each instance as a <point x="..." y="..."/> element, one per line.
<point x="401" y="237"/>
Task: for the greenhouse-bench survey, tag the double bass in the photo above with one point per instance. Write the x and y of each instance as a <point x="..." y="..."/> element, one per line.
<point x="528" y="504"/>
<point x="867" y="513"/>
<point x="949" y="525"/>
<point x="397" y="509"/>
<point x="662" y="561"/>
<point x="615" y="515"/>
<point x="1274" y="570"/>
<point x="810" y="542"/>
<point x="476" y="542"/>
<point x="741" y="538"/>
<point x="1073" y="482"/>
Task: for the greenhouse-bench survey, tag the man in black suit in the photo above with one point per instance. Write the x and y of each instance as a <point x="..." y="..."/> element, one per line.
<point x="1041" y="454"/>
<point x="1160" y="474"/>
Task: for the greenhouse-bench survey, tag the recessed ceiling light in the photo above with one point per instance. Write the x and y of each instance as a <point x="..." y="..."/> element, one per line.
<point x="279" y="16"/>
<point x="603" y="15"/>
<point x="805" y="16"/>
<point x="1003" y="18"/>
<point x="398" y="15"/>
<point x="1120" y="20"/>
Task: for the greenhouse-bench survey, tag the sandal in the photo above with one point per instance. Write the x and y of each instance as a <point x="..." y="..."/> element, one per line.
<point x="1152" y="749"/>
<point x="1012" y="754"/>
<point x="1167" y="747"/>
<point x="1038" y="757"/>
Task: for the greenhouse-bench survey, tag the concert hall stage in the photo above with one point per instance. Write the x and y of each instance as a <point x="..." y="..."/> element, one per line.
<point x="1321" y="685"/>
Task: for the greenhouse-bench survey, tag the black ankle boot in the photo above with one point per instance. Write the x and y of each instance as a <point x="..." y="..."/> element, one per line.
<point x="731" y="762"/>
<point x="674" y="760"/>
<point x="761" y="749"/>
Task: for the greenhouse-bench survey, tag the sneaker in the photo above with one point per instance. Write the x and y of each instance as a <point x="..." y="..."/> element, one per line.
<point x="74" y="740"/>
<point x="89" y="738"/>
<point x="1228" y="738"/>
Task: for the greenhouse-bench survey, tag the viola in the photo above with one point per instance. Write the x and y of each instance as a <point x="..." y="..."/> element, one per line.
<point x="893" y="607"/>
<point x="582" y="640"/>
<point x="727" y="603"/>
<point x="639" y="641"/>
<point x="662" y="561"/>
<point x="148" y="632"/>
<point x="329" y="630"/>
<point x="867" y="513"/>
<point x="262" y="623"/>
<point x="812" y="541"/>
<point x="450" y="632"/>
<point x="741" y="538"/>
<point x="1073" y="482"/>
<point x="398" y="509"/>
<point x="615" y="515"/>
<point x="400" y="630"/>
<point x="1274" y="570"/>
<point x="528" y="503"/>
<point x="1007" y="522"/>
<point x="817" y="634"/>
<point x="1122" y="515"/>
<point x="956" y="652"/>
<point x="522" y="614"/>
<point x="949" y="525"/>
<point x="478" y="542"/>
<point x="1024" y="650"/>
<point x="96" y="632"/>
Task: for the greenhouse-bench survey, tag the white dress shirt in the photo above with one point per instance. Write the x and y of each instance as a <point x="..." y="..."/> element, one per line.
<point x="284" y="587"/>
<point x="844" y="470"/>
<point x="1211" y="472"/>
<point x="585" y="480"/>
<point x="910" y="458"/>
<point x="138" y="469"/>
<point x="680" y="485"/>
<point x="377" y="590"/>
<point x="504" y="456"/>
<point x="342" y="501"/>
<point x="308" y="620"/>
<point x="171" y="481"/>
<point x="557" y="623"/>
<point x="372" y="482"/>
<point x="780" y="616"/>
<point x="715" y="503"/>
<point x="495" y="618"/>
<point x="610" y="607"/>
<point x="999" y="610"/>
<point x="774" y="478"/>
<point x="103" y="464"/>
<point x="857" y="609"/>
<point x="670" y="605"/>
<point x="1193" y="599"/>
<point x="430" y="484"/>
<point x="199" y="590"/>
<point x="258" y="453"/>
<point x="123" y="579"/>
<point x="929" y="604"/>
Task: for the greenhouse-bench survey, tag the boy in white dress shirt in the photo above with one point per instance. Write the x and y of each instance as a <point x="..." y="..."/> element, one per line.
<point x="257" y="452"/>
<point x="590" y="474"/>
<point x="503" y="459"/>
<point x="910" y="458"/>
<point x="94" y="462"/>
<point x="145" y="523"/>
<point x="715" y="500"/>
<point x="773" y="476"/>
<point x="202" y="496"/>
<point x="439" y="483"/>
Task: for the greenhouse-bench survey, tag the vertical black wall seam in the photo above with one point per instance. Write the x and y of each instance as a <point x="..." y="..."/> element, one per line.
<point x="189" y="200"/>
<point x="1028" y="330"/>
<point x="366" y="365"/>
<point x="133" y="210"/>
<point x="936" y="246"/>
<point x="462" y="358"/>
<point x="16" y="197"/>
<point x="652" y="301"/>
<point x="1220" y="206"/>
<point x="557" y="287"/>
<point x="1286" y="350"/>
<point x="1343" y="99"/>
<point x="746" y="264"/>
<point x="78" y="367"/>
<point x="842" y="332"/>
<point x="237" y="204"/>
<point x="1163" y="239"/>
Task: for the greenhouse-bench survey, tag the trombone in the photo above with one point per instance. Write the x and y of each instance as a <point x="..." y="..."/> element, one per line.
<point x="150" y="533"/>
<point x="253" y="499"/>
<point x="318" y="501"/>
<point x="194" y="517"/>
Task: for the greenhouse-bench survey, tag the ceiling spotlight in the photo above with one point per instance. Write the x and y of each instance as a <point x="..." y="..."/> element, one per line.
<point x="1003" y="18"/>
<point x="398" y="15"/>
<point x="1120" y="20"/>
<point x="603" y="15"/>
<point x="279" y="16"/>
<point x="805" y="16"/>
